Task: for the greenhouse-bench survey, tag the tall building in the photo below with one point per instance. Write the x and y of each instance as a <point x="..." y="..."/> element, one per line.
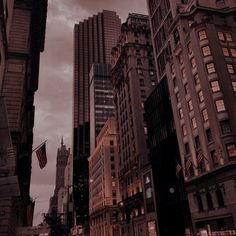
<point x="173" y="215"/>
<point x="101" y="99"/>
<point x="93" y="40"/>
<point x="62" y="159"/>
<point x="22" y="41"/>
<point x="195" y="45"/>
<point x="133" y="78"/>
<point x="104" y="184"/>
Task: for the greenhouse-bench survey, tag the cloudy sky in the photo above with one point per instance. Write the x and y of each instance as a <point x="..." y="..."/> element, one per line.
<point x="53" y="101"/>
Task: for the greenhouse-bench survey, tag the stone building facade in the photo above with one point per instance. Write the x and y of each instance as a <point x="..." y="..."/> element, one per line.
<point x="195" y="45"/>
<point x="22" y="41"/>
<point x="133" y="78"/>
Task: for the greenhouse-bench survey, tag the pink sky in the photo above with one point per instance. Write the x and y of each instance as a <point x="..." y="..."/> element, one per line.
<point x="53" y="101"/>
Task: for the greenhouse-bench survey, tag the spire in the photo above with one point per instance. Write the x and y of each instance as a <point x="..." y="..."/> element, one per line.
<point x="62" y="141"/>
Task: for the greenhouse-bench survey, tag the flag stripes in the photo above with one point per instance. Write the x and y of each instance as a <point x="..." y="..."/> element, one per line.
<point x="41" y="155"/>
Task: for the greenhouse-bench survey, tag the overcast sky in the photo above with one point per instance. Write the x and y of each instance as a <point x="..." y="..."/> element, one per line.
<point x="53" y="100"/>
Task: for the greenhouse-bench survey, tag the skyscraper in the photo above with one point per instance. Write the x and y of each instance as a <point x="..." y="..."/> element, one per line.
<point x="133" y="78"/>
<point x="195" y="45"/>
<point x="101" y="99"/>
<point x="93" y="40"/>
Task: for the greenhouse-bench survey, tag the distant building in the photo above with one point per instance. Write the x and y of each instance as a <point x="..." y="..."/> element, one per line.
<point x="104" y="183"/>
<point x="43" y="230"/>
<point x="101" y="99"/>
<point x="62" y="158"/>
<point x="133" y="78"/>
<point x="195" y="48"/>
<point x="93" y="40"/>
<point x="22" y="40"/>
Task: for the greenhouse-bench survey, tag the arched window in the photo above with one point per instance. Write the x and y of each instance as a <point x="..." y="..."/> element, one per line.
<point x="199" y="202"/>
<point x="220" y="198"/>
<point x="209" y="200"/>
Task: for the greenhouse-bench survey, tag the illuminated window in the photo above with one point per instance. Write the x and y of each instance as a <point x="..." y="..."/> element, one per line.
<point x="221" y="36"/>
<point x="184" y="130"/>
<point x="205" y="114"/>
<point x="210" y="68"/>
<point x="233" y="52"/>
<point x="190" y="105"/>
<point x="193" y="62"/>
<point x="225" y="52"/>
<point x="228" y="37"/>
<point x="206" y="51"/>
<point x="145" y="130"/>
<point x="231" y="149"/>
<point x="220" y="105"/>
<point x="230" y="68"/>
<point x="149" y="193"/>
<point x="202" y="34"/>
<point x="234" y="86"/>
<point x="181" y="114"/>
<point x="194" y="122"/>
<point x="215" y="86"/>
<point x="200" y="96"/>
<point x="140" y="72"/>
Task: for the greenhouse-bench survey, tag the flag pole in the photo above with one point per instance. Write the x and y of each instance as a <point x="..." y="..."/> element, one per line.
<point x="39" y="146"/>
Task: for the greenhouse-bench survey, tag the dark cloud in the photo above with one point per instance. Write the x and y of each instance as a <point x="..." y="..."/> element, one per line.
<point x="53" y="101"/>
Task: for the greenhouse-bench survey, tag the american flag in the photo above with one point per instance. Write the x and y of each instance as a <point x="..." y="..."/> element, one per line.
<point x="42" y="157"/>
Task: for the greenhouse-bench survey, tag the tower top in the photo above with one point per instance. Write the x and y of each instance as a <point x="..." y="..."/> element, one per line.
<point x="62" y="141"/>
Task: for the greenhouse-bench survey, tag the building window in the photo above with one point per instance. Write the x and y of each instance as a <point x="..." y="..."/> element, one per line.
<point x="145" y="130"/>
<point x="180" y="58"/>
<point x="112" y="158"/>
<point x="215" y="86"/>
<point x="186" y="146"/>
<point x="190" y="49"/>
<point x="193" y="62"/>
<point x="210" y="68"/>
<point x="183" y="71"/>
<point x="186" y="88"/>
<point x="234" y="86"/>
<point x="172" y="69"/>
<point x="149" y="193"/>
<point x="181" y="113"/>
<point x="153" y="83"/>
<point x="221" y="36"/>
<point x="209" y="201"/>
<point x="220" y="198"/>
<point x="220" y="105"/>
<point x="143" y="94"/>
<point x="141" y="82"/>
<point x="140" y="72"/>
<point x="151" y="72"/>
<point x="196" y="79"/>
<point x="225" y="127"/>
<point x="194" y="123"/>
<point x="113" y="183"/>
<point x="231" y="149"/>
<point x="233" y="52"/>
<point x="139" y="62"/>
<point x="228" y="37"/>
<point x="205" y="114"/>
<point x="202" y="35"/>
<point x="111" y="143"/>
<point x="174" y="82"/>
<point x="209" y="135"/>
<point x="225" y="52"/>
<point x="206" y="51"/>
<point x="177" y="97"/>
<point x="113" y="193"/>
<point x="214" y="158"/>
<point x="112" y="167"/>
<point x="199" y="202"/>
<point x="190" y="105"/>
<point x="184" y="130"/>
<point x="200" y="96"/>
<point x="197" y="142"/>
<point x="230" y="68"/>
